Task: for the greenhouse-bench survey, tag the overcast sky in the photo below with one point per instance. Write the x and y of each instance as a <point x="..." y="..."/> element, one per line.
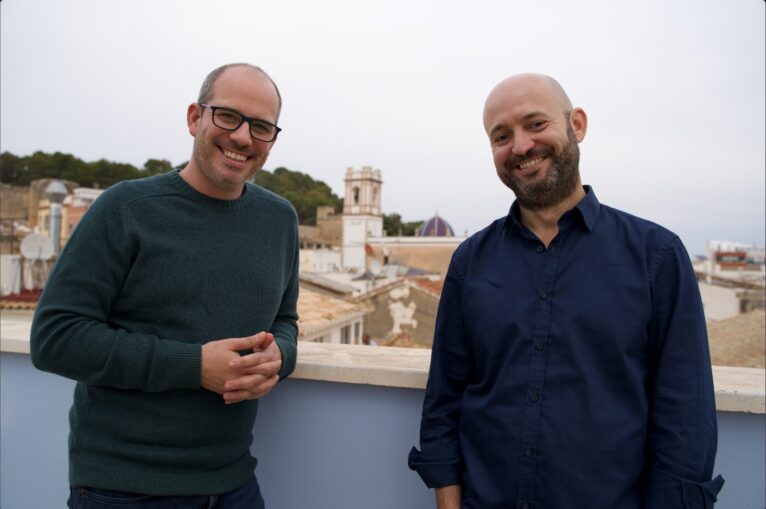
<point x="674" y="91"/>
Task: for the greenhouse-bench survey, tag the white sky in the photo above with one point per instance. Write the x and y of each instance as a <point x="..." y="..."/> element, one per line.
<point x="674" y="91"/>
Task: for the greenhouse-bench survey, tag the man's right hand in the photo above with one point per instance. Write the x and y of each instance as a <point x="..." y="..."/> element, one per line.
<point x="217" y="355"/>
<point x="448" y="497"/>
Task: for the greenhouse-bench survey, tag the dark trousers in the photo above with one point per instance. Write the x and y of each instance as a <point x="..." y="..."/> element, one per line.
<point x="246" y="497"/>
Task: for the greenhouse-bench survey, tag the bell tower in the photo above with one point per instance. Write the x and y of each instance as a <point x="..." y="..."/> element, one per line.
<point x="362" y="215"/>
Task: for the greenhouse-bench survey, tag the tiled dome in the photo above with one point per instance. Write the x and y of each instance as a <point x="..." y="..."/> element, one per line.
<point x="435" y="227"/>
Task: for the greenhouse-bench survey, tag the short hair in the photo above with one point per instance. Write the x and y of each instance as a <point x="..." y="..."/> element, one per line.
<point x="206" y="90"/>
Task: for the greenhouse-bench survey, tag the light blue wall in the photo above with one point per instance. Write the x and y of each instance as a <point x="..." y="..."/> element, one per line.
<point x="339" y="446"/>
<point x="34" y="425"/>
<point x="740" y="460"/>
<point x="320" y="445"/>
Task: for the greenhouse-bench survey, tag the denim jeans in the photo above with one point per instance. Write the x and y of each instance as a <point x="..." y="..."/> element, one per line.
<point x="246" y="497"/>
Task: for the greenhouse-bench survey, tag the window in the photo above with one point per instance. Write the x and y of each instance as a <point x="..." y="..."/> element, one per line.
<point x="357" y="330"/>
<point x="345" y="334"/>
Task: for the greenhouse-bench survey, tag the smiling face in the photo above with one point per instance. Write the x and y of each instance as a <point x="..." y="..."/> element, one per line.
<point x="223" y="160"/>
<point x="534" y="134"/>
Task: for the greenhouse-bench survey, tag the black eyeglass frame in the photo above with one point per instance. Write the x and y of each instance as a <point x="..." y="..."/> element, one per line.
<point x="244" y="118"/>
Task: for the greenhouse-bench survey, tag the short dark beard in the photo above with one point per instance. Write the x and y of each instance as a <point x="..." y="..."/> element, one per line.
<point x="561" y="182"/>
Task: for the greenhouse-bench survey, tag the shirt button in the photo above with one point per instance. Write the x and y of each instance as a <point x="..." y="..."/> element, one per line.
<point x="534" y="397"/>
<point x="540" y="249"/>
<point x="528" y="452"/>
<point x="539" y="345"/>
<point x="543" y="294"/>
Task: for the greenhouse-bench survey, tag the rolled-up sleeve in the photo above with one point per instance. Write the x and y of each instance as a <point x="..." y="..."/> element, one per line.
<point x="682" y="428"/>
<point x="439" y="462"/>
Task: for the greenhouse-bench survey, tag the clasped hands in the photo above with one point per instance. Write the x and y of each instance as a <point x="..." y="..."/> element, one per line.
<point x="239" y="378"/>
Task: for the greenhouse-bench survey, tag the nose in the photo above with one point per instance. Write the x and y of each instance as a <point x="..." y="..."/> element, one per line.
<point x="242" y="135"/>
<point x="522" y="143"/>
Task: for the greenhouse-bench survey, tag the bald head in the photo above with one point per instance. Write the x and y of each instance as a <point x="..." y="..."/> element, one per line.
<point x="521" y="85"/>
<point x="522" y="96"/>
<point x="207" y="86"/>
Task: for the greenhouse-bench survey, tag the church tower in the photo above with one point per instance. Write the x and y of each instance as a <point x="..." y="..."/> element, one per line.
<point x="362" y="215"/>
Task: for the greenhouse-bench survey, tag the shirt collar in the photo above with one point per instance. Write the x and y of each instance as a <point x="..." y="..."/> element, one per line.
<point x="587" y="210"/>
<point x="589" y="207"/>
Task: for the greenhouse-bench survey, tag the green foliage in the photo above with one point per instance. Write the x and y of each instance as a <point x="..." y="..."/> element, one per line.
<point x="157" y="166"/>
<point x="9" y="167"/>
<point x="305" y="193"/>
<point x="394" y="227"/>
<point x="20" y="171"/>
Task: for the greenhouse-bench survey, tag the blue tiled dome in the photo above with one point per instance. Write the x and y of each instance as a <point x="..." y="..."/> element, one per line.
<point x="435" y="227"/>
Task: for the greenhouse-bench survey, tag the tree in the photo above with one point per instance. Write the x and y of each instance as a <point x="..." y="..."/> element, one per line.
<point x="21" y="171"/>
<point x="395" y="227"/>
<point x="157" y="166"/>
<point x="9" y="168"/>
<point x="305" y="193"/>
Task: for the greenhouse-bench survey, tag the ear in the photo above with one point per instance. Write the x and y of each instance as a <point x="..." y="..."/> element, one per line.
<point x="193" y="116"/>
<point x="579" y="122"/>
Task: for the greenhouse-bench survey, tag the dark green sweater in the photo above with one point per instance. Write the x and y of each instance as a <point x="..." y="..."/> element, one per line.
<point x="154" y="270"/>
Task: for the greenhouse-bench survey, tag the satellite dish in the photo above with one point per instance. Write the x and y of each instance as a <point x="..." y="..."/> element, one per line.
<point x="36" y="247"/>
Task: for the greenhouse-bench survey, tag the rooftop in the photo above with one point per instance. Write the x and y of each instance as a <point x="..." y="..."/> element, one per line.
<point x="319" y="311"/>
<point x="435" y="227"/>
<point x="739" y="341"/>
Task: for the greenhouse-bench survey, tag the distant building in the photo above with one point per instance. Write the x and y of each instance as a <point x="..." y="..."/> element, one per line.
<point x="404" y="312"/>
<point x="74" y="207"/>
<point x="724" y="299"/>
<point x="362" y="216"/>
<point x="327" y="319"/>
<point x="435" y="227"/>
<point x="431" y="254"/>
<point x="328" y="285"/>
<point x="348" y="256"/>
<point x="732" y="279"/>
<point x="357" y="234"/>
<point x="735" y="261"/>
<point x="321" y="260"/>
<point x="19" y="211"/>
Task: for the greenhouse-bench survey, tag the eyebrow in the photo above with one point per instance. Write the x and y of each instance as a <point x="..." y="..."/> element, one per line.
<point x="251" y="119"/>
<point x="525" y="118"/>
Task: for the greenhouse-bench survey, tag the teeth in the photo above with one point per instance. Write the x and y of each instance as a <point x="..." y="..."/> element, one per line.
<point x="234" y="155"/>
<point x="532" y="162"/>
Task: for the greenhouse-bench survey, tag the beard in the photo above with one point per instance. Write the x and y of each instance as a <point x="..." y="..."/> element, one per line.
<point x="203" y="154"/>
<point x="560" y="183"/>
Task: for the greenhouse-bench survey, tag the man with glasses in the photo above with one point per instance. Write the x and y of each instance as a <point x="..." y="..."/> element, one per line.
<point x="173" y="306"/>
<point x="570" y="365"/>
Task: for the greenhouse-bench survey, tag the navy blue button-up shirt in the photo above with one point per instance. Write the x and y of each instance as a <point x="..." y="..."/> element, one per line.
<point x="572" y="376"/>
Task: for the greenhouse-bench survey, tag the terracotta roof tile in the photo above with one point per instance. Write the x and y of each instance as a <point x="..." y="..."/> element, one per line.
<point x="739" y="341"/>
<point x="317" y="311"/>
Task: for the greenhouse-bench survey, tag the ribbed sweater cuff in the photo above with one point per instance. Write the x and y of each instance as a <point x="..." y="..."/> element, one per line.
<point x="289" y="353"/>
<point x="184" y="365"/>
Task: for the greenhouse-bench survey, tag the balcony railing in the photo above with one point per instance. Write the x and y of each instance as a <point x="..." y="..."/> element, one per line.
<point x="334" y="435"/>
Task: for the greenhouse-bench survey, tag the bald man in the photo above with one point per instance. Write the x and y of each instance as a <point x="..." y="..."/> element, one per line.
<point x="570" y="364"/>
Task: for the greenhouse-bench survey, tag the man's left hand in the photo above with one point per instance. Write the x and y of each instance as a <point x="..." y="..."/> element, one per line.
<point x="258" y="371"/>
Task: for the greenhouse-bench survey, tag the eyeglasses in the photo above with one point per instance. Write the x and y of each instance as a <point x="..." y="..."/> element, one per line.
<point x="229" y="119"/>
